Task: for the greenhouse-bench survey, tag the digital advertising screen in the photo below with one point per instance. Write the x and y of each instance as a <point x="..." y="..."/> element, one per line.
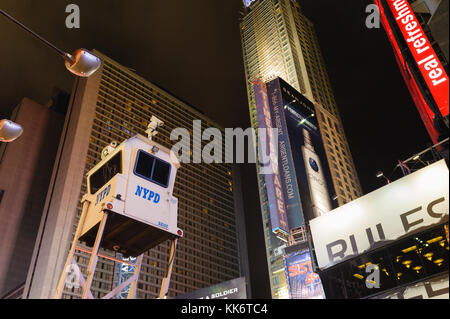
<point x="302" y="282"/>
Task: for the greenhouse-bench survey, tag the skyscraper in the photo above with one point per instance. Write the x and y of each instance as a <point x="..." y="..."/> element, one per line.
<point x="115" y="104"/>
<point x="23" y="182"/>
<point x="279" y="41"/>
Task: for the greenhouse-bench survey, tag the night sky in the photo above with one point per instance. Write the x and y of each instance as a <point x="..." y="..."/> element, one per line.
<point x="193" y="49"/>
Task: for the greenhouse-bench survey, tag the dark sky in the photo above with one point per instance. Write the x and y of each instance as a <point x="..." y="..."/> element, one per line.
<point x="192" y="48"/>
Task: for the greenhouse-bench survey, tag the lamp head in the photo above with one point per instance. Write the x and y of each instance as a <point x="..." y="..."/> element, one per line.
<point x="82" y="62"/>
<point x="379" y="174"/>
<point x="9" y="131"/>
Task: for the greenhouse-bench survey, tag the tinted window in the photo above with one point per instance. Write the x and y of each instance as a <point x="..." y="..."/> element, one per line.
<point x="144" y="165"/>
<point x="104" y="174"/>
<point x="161" y="172"/>
<point x="152" y="168"/>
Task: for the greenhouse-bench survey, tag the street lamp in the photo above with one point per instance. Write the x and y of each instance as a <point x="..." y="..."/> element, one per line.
<point x="381" y="174"/>
<point x="9" y="131"/>
<point x="81" y="63"/>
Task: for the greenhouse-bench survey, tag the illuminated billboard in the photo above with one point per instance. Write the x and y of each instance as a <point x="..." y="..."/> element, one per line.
<point x="303" y="165"/>
<point x="302" y="282"/>
<point x="273" y="184"/>
<point x="417" y="61"/>
<point x="401" y="208"/>
<point x="423" y="53"/>
<point x="232" y="289"/>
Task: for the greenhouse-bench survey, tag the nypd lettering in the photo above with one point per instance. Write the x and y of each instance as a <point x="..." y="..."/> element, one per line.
<point x="147" y="194"/>
<point x="103" y="194"/>
<point x="163" y="225"/>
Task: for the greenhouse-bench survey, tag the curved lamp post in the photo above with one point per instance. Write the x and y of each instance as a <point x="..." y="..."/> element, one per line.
<point x="81" y="63"/>
<point x="380" y="174"/>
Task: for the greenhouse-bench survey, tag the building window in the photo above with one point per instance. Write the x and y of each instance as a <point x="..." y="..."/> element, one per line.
<point x="2" y="192"/>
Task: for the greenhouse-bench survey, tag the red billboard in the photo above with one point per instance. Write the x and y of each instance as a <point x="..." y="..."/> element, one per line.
<point x="425" y="56"/>
<point x="425" y="112"/>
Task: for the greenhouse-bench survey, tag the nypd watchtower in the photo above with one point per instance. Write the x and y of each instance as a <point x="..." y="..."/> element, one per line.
<point x="129" y="207"/>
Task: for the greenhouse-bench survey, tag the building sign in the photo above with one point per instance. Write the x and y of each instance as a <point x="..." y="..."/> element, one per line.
<point x="401" y="208"/>
<point x="267" y="145"/>
<point x="423" y="53"/>
<point x="302" y="282"/>
<point x="233" y="289"/>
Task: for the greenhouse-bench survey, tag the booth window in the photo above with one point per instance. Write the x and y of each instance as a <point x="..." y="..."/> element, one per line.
<point x="152" y="168"/>
<point x="105" y="173"/>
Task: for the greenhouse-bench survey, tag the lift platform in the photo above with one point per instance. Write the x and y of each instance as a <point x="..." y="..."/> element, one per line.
<point x="129" y="208"/>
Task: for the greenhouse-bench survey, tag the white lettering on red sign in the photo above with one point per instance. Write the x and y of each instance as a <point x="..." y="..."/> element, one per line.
<point x="424" y="54"/>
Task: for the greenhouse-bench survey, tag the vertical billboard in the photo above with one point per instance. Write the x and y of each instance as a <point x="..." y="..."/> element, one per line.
<point x="306" y="177"/>
<point x="267" y="146"/>
<point x="302" y="282"/>
<point x="294" y="208"/>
